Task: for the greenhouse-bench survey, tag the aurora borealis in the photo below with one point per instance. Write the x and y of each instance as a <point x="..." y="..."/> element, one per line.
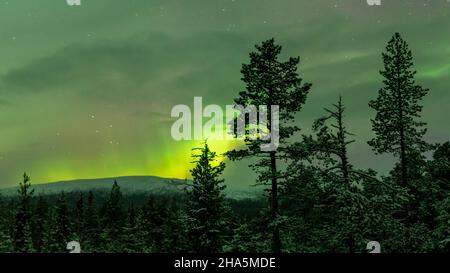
<point x="86" y="91"/>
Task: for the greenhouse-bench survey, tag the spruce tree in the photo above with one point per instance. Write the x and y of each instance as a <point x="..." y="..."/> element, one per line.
<point x="63" y="230"/>
<point x="23" y="219"/>
<point x="174" y="230"/>
<point x="150" y="224"/>
<point x="206" y="209"/>
<point x="6" y="243"/>
<point x="396" y="125"/>
<point x="113" y="219"/>
<point x="91" y="229"/>
<point x="145" y="226"/>
<point x="129" y="239"/>
<point x="78" y="215"/>
<point x="269" y="82"/>
<point x="52" y="243"/>
<point x="40" y="223"/>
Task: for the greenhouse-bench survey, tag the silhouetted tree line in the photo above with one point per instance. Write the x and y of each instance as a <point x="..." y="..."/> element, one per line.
<point x="316" y="199"/>
<point x="135" y="223"/>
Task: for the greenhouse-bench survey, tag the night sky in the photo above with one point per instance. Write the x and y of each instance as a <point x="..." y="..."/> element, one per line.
<point x="86" y="92"/>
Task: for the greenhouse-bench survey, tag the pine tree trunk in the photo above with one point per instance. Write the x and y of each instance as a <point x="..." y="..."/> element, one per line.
<point x="403" y="157"/>
<point x="402" y="144"/>
<point x="402" y="131"/>
<point x="276" y="241"/>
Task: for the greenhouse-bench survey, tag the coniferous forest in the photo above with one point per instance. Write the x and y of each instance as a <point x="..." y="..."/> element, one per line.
<point x="316" y="200"/>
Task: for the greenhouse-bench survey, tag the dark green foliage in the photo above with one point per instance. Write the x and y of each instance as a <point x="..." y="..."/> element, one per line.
<point x="206" y="209"/>
<point x="330" y="147"/>
<point x="112" y="220"/>
<point x="150" y="223"/>
<point x="130" y="240"/>
<point x="439" y="168"/>
<point x="174" y="231"/>
<point x="62" y="228"/>
<point x="39" y="223"/>
<point x="443" y="225"/>
<point x="324" y="190"/>
<point x="415" y="194"/>
<point x="250" y="235"/>
<point x="22" y="226"/>
<point x="6" y="242"/>
<point x="51" y="245"/>
<point x="90" y="236"/>
<point x="78" y="216"/>
<point x="396" y="124"/>
<point x="269" y="81"/>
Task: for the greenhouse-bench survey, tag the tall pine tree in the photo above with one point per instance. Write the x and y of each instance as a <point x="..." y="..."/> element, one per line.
<point x="268" y="82"/>
<point x="396" y="125"/>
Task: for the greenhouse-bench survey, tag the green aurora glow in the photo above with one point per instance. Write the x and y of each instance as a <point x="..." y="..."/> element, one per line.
<point x="86" y="91"/>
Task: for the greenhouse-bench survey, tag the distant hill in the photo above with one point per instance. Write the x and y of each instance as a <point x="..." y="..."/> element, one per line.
<point x="128" y="184"/>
